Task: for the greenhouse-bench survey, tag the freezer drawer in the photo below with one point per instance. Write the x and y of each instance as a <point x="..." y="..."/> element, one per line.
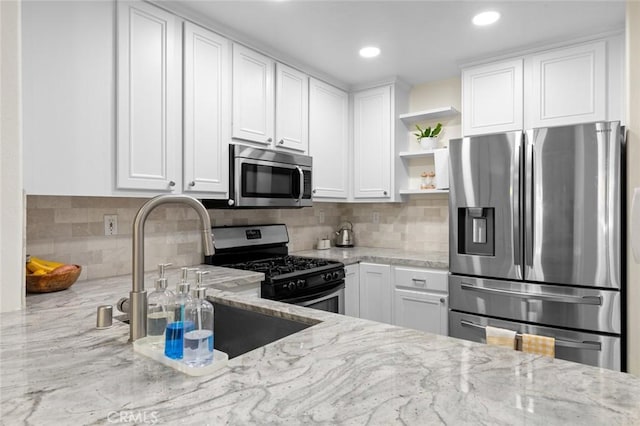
<point x="585" y="348"/>
<point x="554" y="305"/>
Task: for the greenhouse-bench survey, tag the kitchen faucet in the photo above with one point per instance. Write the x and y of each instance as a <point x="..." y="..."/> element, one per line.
<point x="138" y="295"/>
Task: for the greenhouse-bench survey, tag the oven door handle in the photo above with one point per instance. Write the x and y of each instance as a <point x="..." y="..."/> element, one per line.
<point x="314" y="298"/>
<point x="301" y="189"/>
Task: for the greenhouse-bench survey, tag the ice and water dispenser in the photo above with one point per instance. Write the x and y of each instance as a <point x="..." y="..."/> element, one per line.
<point x="476" y="231"/>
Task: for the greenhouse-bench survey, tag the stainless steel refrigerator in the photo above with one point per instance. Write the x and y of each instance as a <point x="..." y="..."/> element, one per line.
<point x="535" y="242"/>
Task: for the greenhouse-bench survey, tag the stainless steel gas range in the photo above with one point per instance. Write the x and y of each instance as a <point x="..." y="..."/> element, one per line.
<point x="303" y="281"/>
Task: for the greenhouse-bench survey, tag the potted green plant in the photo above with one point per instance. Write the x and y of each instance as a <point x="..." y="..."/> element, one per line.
<point x="428" y="137"/>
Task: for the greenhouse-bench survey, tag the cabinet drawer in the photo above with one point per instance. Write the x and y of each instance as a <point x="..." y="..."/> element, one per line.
<point x="420" y="279"/>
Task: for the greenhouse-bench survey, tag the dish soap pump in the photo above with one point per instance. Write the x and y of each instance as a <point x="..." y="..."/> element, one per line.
<point x="159" y="310"/>
<point x="198" y="343"/>
<point x="174" y="336"/>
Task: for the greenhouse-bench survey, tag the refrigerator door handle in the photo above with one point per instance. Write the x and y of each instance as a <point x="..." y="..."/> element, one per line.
<point x="579" y="300"/>
<point x="593" y="346"/>
<point x="528" y="198"/>
<point x="516" y="207"/>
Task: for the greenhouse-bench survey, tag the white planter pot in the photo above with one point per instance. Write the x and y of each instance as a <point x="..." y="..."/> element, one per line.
<point x="429" y="143"/>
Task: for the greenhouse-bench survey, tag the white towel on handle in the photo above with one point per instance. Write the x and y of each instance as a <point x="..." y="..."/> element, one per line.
<point x="500" y="337"/>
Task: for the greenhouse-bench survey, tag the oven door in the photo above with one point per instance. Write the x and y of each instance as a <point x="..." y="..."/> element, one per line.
<point x="261" y="183"/>
<point x="331" y="300"/>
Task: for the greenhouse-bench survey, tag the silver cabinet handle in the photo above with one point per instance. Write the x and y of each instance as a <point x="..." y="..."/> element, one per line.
<point x="172" y="183"/>
<point x="281" y="142"/>
<point x="580" y="300"/>
<point x="192" y="184"/>
<point x="419" y="281"/>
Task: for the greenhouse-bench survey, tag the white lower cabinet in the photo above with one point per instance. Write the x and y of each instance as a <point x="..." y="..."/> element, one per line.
<point x="375" y="292"/>
<point x="352" y="290"/>
<point x="420" y="299"/>
<point x="409" y="297"/>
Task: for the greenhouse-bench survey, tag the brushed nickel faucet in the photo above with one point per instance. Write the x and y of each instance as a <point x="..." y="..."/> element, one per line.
<point x="138" y="295"/>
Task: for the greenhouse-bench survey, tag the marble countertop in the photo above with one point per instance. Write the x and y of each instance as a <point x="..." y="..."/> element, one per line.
<point x="57" y="368"/>
<point x="351" y="255"/>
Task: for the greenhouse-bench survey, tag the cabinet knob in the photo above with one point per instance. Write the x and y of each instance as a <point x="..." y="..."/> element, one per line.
<point x="172" y="183"/>
<point x="442" y="300"/>
<point x="192" y="183"/>
<point x="281" y="141"/>
<point x="385" y="192"/>
<point x="269" y="140"/>
<point x="314" y="191"/>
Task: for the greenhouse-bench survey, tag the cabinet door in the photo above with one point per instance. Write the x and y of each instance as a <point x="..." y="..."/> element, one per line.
<point x="421" y="311"/>
<point x="568" y="86"/>
<point x="352" y="291"/>
<point x="375" y="292"/>
<point x="253" y="100"/>
<point x="292" y="109"/>
<point x="328" y="140"/>
<point x="492" y="97"/>
<point x="207" y="121"/>
<point x="149" y="84"/>
<point x="372" y="143"/>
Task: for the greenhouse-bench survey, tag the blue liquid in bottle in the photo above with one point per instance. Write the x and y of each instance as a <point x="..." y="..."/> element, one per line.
<point x="174" y="338"/>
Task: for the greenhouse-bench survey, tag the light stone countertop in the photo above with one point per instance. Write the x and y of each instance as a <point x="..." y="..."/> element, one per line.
<point x="56" y="368"/>
<point x="351" y="255"/>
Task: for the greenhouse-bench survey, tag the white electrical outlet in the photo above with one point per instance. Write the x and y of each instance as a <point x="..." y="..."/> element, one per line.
<point x="110" y="224"/>
<point x="321" y="216"/>
<point x="376" y="217"/>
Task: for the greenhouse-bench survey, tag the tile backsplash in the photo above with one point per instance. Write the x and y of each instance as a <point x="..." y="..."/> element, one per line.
<point x="71" y="229"/>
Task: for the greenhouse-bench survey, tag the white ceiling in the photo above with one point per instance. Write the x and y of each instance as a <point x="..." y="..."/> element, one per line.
<point x="420" y="40"/>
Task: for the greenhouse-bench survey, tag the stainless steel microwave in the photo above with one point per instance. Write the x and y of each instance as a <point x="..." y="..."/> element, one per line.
<point x="262" y="178"/>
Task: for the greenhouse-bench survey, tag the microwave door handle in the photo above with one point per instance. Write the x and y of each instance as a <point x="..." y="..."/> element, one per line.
<point x="301" y="189"/>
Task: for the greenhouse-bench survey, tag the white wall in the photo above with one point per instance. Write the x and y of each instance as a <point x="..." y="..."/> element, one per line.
<point x="633" y="179"/>
<point x="11" y="197"/>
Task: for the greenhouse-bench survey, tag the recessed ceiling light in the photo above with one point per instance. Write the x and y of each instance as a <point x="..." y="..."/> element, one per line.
<point x="369" y="52"/>
<point x="486" y="18"/>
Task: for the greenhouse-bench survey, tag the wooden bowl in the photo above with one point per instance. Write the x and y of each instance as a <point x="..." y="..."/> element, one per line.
<point x="52" y="282"/>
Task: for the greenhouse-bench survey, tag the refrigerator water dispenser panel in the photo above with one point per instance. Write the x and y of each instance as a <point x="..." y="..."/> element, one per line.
<point x="476" y="233"/>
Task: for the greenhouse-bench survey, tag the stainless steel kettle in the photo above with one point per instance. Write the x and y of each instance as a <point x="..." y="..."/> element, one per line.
<point x="345" y="236"/>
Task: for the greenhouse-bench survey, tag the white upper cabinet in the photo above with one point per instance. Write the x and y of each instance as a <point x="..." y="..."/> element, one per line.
<point x="148" y="102"/>
<point x="492" y="98"/>
<point x="372" y="143"/>
<point x="329" y="140"/>
<point x="253" y="96"/>
<point x="568" y="86"/>
<point x="207" y="118"/>
<point x="270" y="102"/>
<point x="575" y="84"/>
<point x="68" y="98"/>
<point x="292" y="109"/>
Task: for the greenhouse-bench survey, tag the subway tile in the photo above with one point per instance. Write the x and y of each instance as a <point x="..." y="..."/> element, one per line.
<point x="71" y="215"/>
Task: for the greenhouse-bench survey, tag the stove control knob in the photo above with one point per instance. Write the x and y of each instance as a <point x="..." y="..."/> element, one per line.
<point x="327" y="276"/>
<point x="300" y="283"/>
<point x="335" y="275"/>
<point x="291" y="285"/>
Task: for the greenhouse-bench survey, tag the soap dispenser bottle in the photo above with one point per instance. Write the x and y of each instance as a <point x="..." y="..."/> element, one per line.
<point x="159" y="309"/>
<point x="174" y="335"/>
<point x="198" y="343"/>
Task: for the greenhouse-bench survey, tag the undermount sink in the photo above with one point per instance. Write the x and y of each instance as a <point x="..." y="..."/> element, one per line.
<point x="238" y="331"/>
